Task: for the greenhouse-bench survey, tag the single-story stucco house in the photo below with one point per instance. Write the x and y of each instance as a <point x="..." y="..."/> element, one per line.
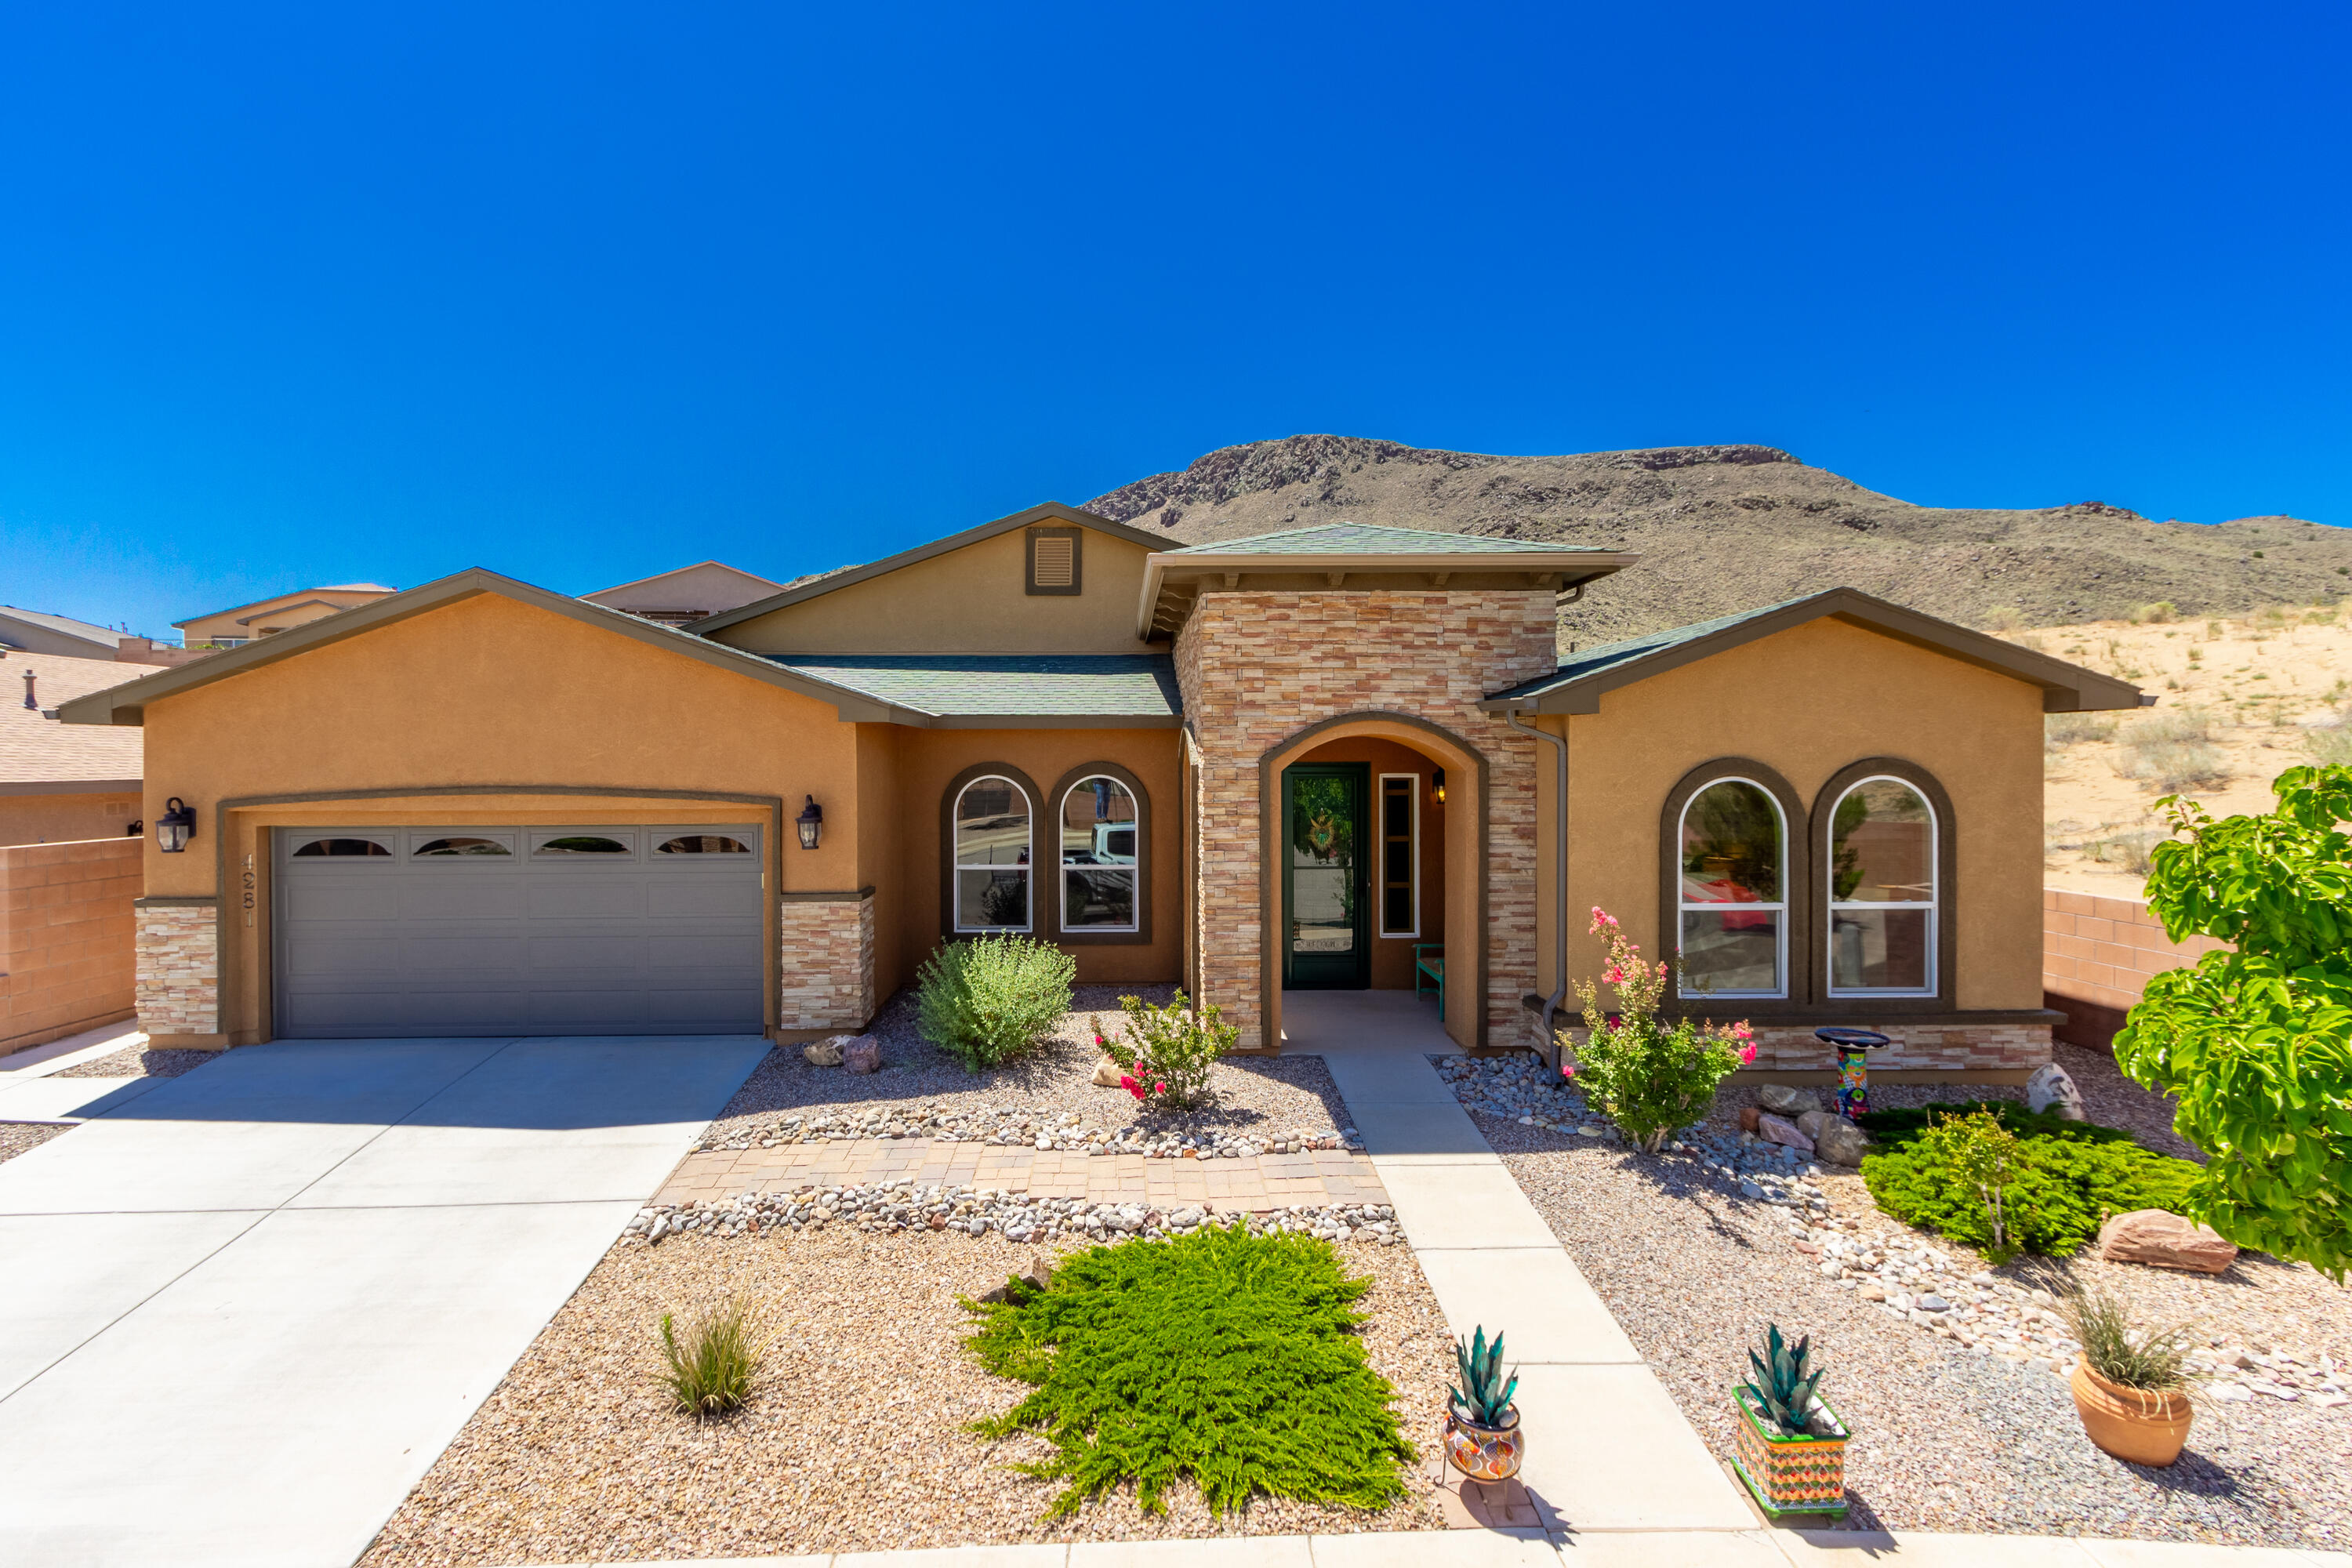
<point x="1300" y="760"/>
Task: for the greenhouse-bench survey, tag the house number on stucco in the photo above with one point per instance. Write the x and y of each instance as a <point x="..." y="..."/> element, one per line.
<point x="247" y="897"/>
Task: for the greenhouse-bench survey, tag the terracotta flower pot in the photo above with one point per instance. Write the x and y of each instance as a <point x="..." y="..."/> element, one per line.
<point x="1484" y="1453"/>
<point x="2135" y="1424"/>
<point x="1788" y="1474"/>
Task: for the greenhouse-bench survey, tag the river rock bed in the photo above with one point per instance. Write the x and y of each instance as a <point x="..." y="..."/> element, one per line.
<point x="1016" y="1127"/>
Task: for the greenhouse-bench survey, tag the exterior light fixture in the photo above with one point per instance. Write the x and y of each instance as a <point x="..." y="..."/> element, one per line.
<point x="810" y="822"/>
<point x="1437" y="784"/>
<point x="175" y="827"/>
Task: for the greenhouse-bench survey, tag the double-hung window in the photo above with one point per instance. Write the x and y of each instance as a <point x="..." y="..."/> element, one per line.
<point x="991" y="856"/>
<point x="1101" y="856"/>
<point x="1732" y="870"/>
<point x="1882" y="886"/>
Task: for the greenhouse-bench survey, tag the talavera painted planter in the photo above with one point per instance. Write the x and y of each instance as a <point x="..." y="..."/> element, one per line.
<point x="1484" y="1453"/>
<point x="1785" y="1474"/>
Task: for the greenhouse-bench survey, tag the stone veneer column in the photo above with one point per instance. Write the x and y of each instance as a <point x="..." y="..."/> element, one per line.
<point x="826" y="952"/>
<point x="1257" y="668"/>
<point x="178" y="984"/>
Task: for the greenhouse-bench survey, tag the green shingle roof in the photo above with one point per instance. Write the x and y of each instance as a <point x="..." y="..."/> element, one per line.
<point x="1107" y="686"/>
<point x="1591" y="662"/>
<point x="1370" y="539"/>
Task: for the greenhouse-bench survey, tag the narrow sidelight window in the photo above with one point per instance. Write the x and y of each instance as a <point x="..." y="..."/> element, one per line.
<point x="1882" y="877"/>
<point x="1101" y="856"/>
<point x="1734" y="899"/>
<point x="1399" y="855"/>
<point x="991" y="856"/>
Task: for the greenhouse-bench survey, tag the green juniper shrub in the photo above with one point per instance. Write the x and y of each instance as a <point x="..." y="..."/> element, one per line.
<point x="1217" y="1356"/>
<point x="1891" y="1127"/>
<point x="711" y="1374"/>
<point x="1166" y="1052"/>
<point x="2055" y="1188"/>
<point x="989" y="999"/>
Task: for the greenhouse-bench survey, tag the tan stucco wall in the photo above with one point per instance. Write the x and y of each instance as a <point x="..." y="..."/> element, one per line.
<point x="57" y="818"/>
<point x="967" y="600"/>
<point x="246" y="621"/>
<point x="1808" y="702"/>
<point x="1391" y="967"/>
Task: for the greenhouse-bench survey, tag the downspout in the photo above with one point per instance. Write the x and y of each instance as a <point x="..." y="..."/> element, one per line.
<point x="1549" y="1048"/>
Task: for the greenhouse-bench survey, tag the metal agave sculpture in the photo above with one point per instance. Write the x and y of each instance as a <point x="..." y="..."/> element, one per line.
<point x="1484" y="1396"/>
<point x="1781" y="1385"/>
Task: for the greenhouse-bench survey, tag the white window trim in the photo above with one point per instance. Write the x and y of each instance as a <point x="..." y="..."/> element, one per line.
<point x="1684" y="906"/>
<point x="956" y="867"/>
<point x="1379" y="803"/>
<point x="1134" y="871"/>
<point x="1935" y="881"/>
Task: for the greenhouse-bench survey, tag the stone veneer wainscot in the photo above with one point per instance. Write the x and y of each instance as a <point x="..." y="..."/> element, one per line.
<point x="826" y="953"/>
<point x="179" y="966"/>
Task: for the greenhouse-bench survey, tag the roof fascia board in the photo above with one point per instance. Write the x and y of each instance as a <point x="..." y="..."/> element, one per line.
<point x="1055" y="721"/>
<point x="126" y="703"/>
<point x="1052" y="511"/>
<point x="2064" y="687"/>
<point x="1579" y="566"/>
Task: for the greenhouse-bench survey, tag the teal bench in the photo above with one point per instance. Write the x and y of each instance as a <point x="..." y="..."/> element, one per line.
<point x="1429" y="970"/>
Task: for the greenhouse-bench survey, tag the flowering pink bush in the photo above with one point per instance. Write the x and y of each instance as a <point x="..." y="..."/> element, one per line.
<point x="1646" y="1076"/>
<point x="1168" y="1046"/>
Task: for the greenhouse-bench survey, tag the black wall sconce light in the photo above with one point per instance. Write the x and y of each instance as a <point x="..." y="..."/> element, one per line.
<point x="175" y="827"/>
<point x="1437" y="784"/>
<point x="810" y="822"/>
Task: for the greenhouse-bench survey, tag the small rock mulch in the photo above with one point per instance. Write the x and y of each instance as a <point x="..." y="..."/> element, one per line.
<point x="1047" y="1100"/>
<point x="23" y="1137"/>
<point x="855" y="1438"/>
<point x="1964" y="1420"/>
<point x="138" y="1061"/>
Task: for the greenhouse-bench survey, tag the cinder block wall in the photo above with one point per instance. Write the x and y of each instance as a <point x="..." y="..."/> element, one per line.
<point x="2096" y="956"/>
<point x="66" y="942"/>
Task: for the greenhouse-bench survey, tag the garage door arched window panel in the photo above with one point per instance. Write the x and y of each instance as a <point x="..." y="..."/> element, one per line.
<point x="1731" y="876"/>
<point x="460" y="843"/>
<point x="1101" y="855"/>
<point x="702" y="843"/>
<point x="362" y="848"/>
<point x="991" y="824"/>
<point x="1882" y="890"/>
<point x="562" y="846"/>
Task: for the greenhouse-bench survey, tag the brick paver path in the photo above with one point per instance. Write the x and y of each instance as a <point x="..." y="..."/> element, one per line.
<point x="1256" y="1183"/>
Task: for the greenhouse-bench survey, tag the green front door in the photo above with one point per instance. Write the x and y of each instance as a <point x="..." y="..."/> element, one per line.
<point x="1324" y="943"/>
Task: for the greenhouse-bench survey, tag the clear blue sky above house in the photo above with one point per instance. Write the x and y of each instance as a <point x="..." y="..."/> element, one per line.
<point x="580" y="293"/>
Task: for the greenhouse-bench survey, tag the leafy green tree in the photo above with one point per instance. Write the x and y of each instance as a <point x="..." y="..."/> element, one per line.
<point x="2255" y="1043"/>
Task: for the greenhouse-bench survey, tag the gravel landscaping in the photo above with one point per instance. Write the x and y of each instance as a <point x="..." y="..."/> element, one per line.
<point x="1048" y="1101"/>
<point x="23" y="1137"/>
<point x="138" y="1061"/>
<point x="1953" y="1379"/>
<point x="856" y="1438"/>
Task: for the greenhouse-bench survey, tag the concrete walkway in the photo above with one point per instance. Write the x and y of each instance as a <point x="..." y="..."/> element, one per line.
<point x="242" y="1313"/>
<point x="1608" y="1450"/>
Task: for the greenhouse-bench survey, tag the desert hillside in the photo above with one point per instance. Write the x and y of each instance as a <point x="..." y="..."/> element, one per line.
<point x="1729" y="527"/>
<point x="2240" y="701"/>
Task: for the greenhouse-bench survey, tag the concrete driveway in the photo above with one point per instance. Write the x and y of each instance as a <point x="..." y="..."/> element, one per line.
<point x="243" y="1312"/>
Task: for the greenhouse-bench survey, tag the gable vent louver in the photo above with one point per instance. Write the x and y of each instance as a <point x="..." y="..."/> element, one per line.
<point x="1057" y="563"/>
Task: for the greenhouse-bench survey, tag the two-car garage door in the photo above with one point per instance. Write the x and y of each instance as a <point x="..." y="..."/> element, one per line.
<point x="518" y="930"/>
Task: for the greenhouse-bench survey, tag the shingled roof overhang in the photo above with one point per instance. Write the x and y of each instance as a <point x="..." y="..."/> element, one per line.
<point x="1578" y="684"/>
<point x="126" y="704"/>
<point x="1360" y="556"/>
<point x="1051" y="514"/>
<point x="1011" y="691"/>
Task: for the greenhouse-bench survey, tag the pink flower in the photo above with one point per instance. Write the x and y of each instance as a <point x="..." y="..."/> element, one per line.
<point x="1746" y="1055"/>
<point x="1567" y="1072"/>
<point x="1613" y="975"/>
<point x="1740" y="1031"/>
<point x="1603" y="920"/>
<point x="1163" y="1088"/>
<point x="1130" y="1085"/>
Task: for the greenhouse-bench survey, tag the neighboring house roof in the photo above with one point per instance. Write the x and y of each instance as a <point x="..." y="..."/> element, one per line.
<point x="128" y="705"/>
<point x="287" y="609"/>
<point x="1577" y="686"/>
<point x="1341" y="550"/>
<point x="998" y="690"/>
<point x="63" y="625"/>
<point x="284" y="601"/>
<point x="40" y="756"/>
<point x="686" y="593"/>
<point x="1050" y="514"/>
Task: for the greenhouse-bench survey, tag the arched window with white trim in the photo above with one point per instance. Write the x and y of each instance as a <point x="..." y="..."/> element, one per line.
<point x="993" y="858"/>
<point x="1101" y="856"/>
<point x="1882" y="887"/>
<point x="1732" y="870"/>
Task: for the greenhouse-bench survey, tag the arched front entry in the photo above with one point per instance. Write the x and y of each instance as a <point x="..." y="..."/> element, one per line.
<point x="1464" y="857"/>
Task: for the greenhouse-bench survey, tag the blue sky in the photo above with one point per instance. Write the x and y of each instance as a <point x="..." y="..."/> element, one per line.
<point x="582" y="292"/>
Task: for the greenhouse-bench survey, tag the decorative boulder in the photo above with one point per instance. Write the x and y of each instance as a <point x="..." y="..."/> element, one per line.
<point x="863" y="1054"/>
<point x="822" y="1053"/>
<point x="1783" y="1100"/>
<point x="1811" y="1122"/>
<point x="2050" y="1088"/>
<point x="1108" y="1073"/>
<point x="1840" y="1142"/>
<point x="1749" y="1119"/>
<point x="1781" y="1131"/>
<point x="2165" y="1240"/>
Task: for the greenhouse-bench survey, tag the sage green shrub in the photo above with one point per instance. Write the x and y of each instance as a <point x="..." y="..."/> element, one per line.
<point x="989" y="999"/>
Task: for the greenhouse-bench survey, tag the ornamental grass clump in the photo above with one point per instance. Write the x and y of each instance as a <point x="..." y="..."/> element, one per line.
<point x="1218" y="1356"/>
<point x="1165" y="1053"/>
<point x="711" y="1374"/>
<point x="1647" y="1078"/>
<point x="2155" y="1361"/>
<point x="990" y="1000"/>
